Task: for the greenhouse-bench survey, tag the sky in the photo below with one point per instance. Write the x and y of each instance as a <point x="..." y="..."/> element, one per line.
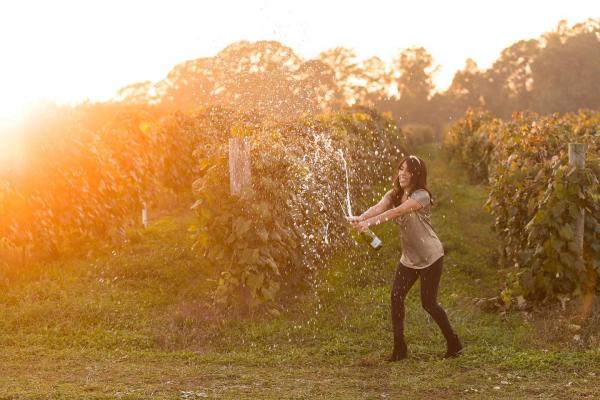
<point x="69" y="51"/>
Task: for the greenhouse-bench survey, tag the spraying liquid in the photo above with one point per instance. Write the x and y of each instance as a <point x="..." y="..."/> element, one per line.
<point x="348" y="205"/>
<point x="367" y="235"/>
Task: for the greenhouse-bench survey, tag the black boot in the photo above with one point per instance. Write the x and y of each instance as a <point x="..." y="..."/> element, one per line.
<point x="400" y="351"/>
<point x="454" y="346"/>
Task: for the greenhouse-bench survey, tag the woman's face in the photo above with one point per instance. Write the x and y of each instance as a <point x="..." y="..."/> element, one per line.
<point x="404" y="176"/>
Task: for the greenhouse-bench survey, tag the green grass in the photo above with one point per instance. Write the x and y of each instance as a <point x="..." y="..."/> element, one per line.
<point x="135" y="322"/>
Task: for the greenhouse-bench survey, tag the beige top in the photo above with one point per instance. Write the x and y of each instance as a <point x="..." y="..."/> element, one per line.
<point x="420" y="245"/>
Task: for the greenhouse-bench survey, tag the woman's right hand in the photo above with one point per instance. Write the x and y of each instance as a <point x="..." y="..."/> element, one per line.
<point x="354" y="221"/>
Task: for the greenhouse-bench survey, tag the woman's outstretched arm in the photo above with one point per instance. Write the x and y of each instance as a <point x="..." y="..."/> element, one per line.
<point x="408" y="206"/>
<point x="384" y="204"/>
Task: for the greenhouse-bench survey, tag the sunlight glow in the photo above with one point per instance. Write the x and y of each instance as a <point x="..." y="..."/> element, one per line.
<point x="66" y="51"/>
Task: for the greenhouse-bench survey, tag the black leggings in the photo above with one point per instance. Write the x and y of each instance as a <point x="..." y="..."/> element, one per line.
<point x="430" y="280"/>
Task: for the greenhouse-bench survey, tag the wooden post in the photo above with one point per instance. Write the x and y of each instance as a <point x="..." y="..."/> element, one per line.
<point x="577" y="159"/>
<point x="239" y="165"/>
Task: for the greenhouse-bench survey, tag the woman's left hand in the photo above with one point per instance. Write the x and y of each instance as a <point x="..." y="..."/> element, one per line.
<point x="360" y="226"/>
<point x="353" y="219"/>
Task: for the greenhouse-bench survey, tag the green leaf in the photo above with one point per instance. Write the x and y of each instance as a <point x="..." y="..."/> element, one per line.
<point x="276" y="236"/>
<point x="196" y="204"/>
<point x="556" y="244"/>
<point x="267" y="293"/>
<point x="274" y="312"/>
<point x="202" y="239"/>
<point x="263" y="234"/>
<point x="254" y="280"/>
<point x="558" y="209"/>
<point x="574" y="211"/>
<point x="566" y="232"/>
<point x="242" y="225"/>
<point x="271" y="263"/>
<point x="566" y="258"/>
<point x="216" y="253"/>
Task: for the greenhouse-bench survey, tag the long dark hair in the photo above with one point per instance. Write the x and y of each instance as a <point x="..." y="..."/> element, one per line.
<point x="418" y="179"/>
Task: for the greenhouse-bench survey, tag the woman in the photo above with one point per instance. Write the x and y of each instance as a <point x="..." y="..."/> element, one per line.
<point x="409" y="205"/>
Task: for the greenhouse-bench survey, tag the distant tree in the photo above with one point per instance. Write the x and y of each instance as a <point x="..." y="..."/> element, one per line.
<point x="566" y="75"/>
<point x="346" y="74"/>
<point x="190" y="84"/>
<point x="413" y="75"/>
<point x="556" y="73"/>
<point x="375" y="81"/>
<point x="259" y="75"/>
<point x="509" y="80"/>
<point x="467" y="85"/>
<point x="415" y="68"/>
<point x="137" y="93"/>
<point x="316" y="86"/>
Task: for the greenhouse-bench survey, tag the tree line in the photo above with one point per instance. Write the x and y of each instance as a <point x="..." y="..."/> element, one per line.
<point x="557" y="72"/>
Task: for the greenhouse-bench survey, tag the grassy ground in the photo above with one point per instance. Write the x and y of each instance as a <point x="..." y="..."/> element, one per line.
<point x="135" y="323"/>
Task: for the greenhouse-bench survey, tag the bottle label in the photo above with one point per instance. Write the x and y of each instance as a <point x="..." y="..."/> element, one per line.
<point x="376" y="242"/>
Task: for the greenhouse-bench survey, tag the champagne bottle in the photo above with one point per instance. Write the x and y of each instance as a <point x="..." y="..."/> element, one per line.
<point x="369" y="237"/>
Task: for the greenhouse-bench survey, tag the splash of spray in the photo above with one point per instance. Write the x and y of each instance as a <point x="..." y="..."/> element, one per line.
<point x="348" y="204"/>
